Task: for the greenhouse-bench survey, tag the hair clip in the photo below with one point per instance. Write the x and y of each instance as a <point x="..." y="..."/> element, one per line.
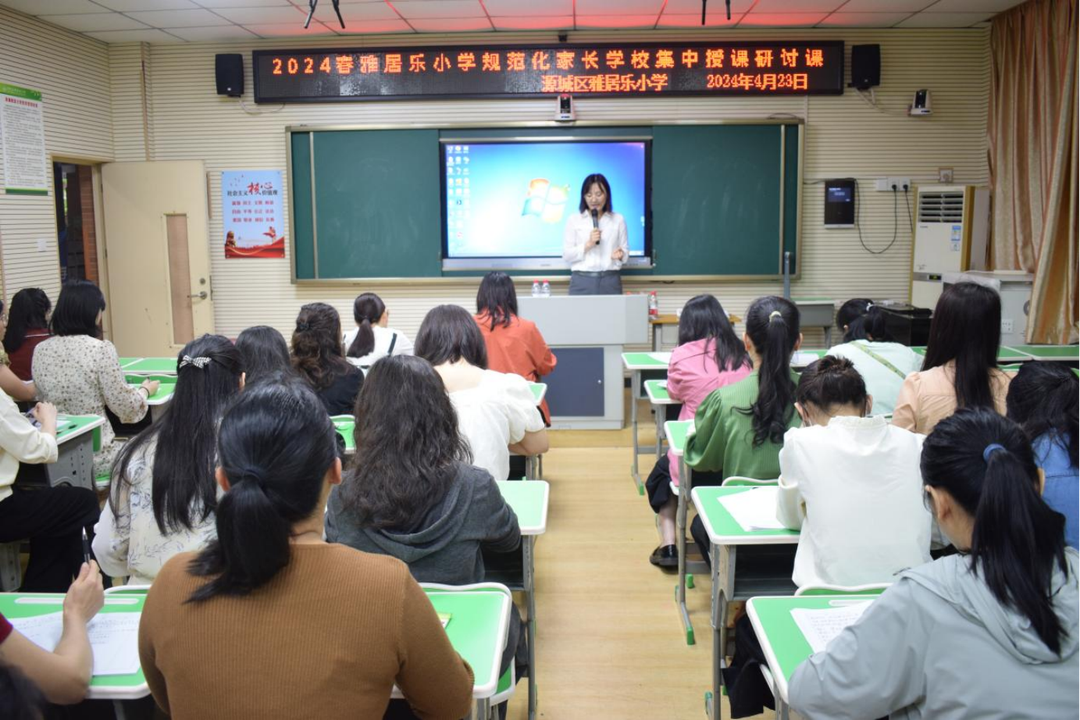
<point x="775" y="314"/>
<point x="199" y="362"/>
<point x="302" y="327"/>
<point x="868" y="306"/>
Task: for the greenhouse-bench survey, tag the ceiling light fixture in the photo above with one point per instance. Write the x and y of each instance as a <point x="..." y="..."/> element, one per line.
<point x="337" y="10"/>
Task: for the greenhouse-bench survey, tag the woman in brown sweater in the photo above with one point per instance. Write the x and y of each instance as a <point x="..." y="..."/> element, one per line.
<point x="270" y="621"/>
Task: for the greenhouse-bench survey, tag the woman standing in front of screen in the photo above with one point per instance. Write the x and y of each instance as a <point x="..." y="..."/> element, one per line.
<point x="594" y="243"/>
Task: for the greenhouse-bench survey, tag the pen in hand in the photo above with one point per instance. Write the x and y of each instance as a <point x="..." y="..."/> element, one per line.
<point x="85" y="547"/>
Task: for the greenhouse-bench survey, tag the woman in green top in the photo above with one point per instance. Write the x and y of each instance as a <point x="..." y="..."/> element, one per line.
<point x="739" y="428"/>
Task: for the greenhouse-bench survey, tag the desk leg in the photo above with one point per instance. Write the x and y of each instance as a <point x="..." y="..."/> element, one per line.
<point x="530" y="467"/>
<point x="718" y="632"/>
<point x="680" y="543"/>
<point x="483" y="709"/>
<point x="527" y="543"/>
<point x="828" y="344"/>
<point x="660" y="412"/>
<point x="118" y="709"/>
<point x="635" y="391"/>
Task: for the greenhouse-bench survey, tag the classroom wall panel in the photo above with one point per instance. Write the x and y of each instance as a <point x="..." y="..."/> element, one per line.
<point x="72" y="73"/>
<point x="845" y="137"/>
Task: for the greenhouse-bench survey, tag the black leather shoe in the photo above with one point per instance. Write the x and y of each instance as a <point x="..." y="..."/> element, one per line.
<point x="666" y="556"/>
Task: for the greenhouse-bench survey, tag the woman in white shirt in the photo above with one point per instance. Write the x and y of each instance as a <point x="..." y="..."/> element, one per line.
<point x="851" y="483"/>
<point x="594" y="242"/>
<point x="163" y="493"/>
<point x="372" y="339"/>
<point x="496" y="412"/>
<point x="869" y="345"/>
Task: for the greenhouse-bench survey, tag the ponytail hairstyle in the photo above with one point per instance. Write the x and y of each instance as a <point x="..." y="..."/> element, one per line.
<point x="183" y="489"/>
<point x="408" y="445"/>
<point x="497" y="299"/>
<point x="367" y="309"/>
<point x="831" y="382"/>
<point x="275" y="446"/>
<point x="703" y="317"/>
<point x="317" y="351"/>
<point x="1043" y="400"/>
<point x="448" y="334"/>
<point x="966" y="329"/>
<point x="28" y="310"/>
<point x="851" y="311"/>
<point x="986" y="464"/>
<point x="772" y="323"/>
<point x="872" y="325"/>
<point x="265" y="354"/>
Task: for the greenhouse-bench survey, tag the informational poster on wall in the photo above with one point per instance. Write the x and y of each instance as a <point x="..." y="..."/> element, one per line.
<point x="22" y="137"/>
<point x="253" y="221"/>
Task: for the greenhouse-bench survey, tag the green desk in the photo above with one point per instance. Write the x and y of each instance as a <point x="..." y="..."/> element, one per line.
<point x="345" y="424"/>
<point x="161" y="398"/>
<point x="636" y="362"/>
<point x="480" y="617"/>
<point x="677" y="432"/>
<point x="1005" y="354"/>
<point x="539" y="390"/>
<point x="126" y="361"/>
<point x="762" y="577"/>
<point x="802" y="358"/>
<point x="817" y="312"/>
<point x="534" y="464"/>
<point x="77" y="438"/>
<point x="529" y="500"/>
<point x="102" y="687"/>
<point x="660" y="399"/>
<point x="1061" y="353"/>
<point x="149" y="366"/>
<point x="782" y="642"/>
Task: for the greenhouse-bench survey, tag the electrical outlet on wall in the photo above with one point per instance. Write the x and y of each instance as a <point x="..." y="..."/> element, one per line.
<point x="1006" y="325"/>
<point x="945" y="175"/>
<point x="888" y="184"/>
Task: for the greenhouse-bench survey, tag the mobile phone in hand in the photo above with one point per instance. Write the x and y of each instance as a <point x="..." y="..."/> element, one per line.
<point x="29" y="415"/>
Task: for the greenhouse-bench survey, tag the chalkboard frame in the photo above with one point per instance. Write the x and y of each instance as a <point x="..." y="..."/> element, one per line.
<point x="793" y="182"/>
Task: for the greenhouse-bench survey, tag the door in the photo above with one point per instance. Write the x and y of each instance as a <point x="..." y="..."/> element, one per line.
<point x="158" y="252"/>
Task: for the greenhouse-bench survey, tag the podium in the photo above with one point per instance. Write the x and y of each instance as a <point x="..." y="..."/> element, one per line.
<point x="587" y="333"/>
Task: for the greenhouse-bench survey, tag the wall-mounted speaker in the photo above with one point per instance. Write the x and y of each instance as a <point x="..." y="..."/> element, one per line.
<point x="229" y="74"/>
<point x="865" y="66"/>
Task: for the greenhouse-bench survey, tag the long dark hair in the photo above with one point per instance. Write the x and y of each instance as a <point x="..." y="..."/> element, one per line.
<point x="497" y="298"/>
<point x="407" y="445"/>
<point x="772" y="323"/>
<point x="28" y="310"/>
<point x="1017" y="539"/>
<point x="849" y="312"/>
<point x="448" y="334"/>
<point x="367" y="309"/>
<point x="966" y="328"/>
<point x="596" y="179"/>
<point x="872" y="325"/>
<point x="831" y="382"/>
<point x="317" y="349"/>
<point x="264" y="353"/>
<point x="77" y="309"/>
<point x="275" y="446"/>
<point x="702" y="317"/>
<point x="183" y="490"/>
<point x="1043" y="399"/>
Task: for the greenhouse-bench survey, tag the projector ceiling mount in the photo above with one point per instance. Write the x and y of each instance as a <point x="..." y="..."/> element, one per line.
<point x="313" y="3"/>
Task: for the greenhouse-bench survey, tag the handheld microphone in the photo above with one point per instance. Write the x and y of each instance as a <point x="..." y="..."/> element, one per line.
<point x="595" y="219"/>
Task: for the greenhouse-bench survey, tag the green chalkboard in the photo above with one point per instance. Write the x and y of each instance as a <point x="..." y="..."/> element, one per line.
<point x="366" y="203"/>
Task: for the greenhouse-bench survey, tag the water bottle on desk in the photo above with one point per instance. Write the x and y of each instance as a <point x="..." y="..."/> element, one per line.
<point x="545" y="289"/>
<point x="536" y="288"/>
<point x="654" y="307"/>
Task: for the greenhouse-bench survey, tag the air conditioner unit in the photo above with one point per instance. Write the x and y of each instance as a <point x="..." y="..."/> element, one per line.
<point x="952" y="224"/>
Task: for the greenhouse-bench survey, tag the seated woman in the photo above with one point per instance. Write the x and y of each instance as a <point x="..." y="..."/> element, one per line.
<point x="883" y="364"/>
<point x="371" y="339"/>
<point x="960" y="369"/>
<point x="709" y="356"/>
<point x="11" y="384"/>
<point x="320" y="358"/>
<point x="263" y="354"/>
<point x="956" y="638"/>
<point x="740" y="428"/>
<point x="27" y="327"/>
<point x="52" y="518"/>
<point x="80" y="373"/>
<point x="852" y="483"/>
<point x="163" y="493"/>
<point x="496" y="412"/>
<point x="1043" y="400"/>
<point x="514" y="345"/>
<point x="63" y="675"/>
<point x="270" y="620"/>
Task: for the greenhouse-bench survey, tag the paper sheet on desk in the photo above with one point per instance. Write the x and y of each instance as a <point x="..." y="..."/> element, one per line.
<point x="754" y="509"/>
<point x="821" y="626"/>
<point x="664" y="357"/>
<point x="114" y="638"/>
<point x="802" y="359"/>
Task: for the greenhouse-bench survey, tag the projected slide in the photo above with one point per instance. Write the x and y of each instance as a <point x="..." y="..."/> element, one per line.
<point x="513" y="199"/>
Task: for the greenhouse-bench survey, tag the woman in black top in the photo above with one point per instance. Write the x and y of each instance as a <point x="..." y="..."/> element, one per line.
<point x="319" y="357"/>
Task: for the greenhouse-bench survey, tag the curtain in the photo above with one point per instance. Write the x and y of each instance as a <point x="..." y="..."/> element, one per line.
<point x="1033" y="159"/>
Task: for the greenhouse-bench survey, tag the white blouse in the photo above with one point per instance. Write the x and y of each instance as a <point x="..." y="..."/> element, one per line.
<point x="595" y="259"/>
<point x="130" y="543"/>
<point x="855" y="489"/>
<point x="493" y="415"/>
<point x="383" y="337"/>
<point x="20" y="441"/>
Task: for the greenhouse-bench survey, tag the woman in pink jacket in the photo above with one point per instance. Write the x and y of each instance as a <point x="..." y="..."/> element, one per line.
<point x="709" y="356"/>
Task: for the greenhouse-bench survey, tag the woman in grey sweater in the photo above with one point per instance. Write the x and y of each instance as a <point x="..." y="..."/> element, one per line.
<point x="988" y="633"/>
